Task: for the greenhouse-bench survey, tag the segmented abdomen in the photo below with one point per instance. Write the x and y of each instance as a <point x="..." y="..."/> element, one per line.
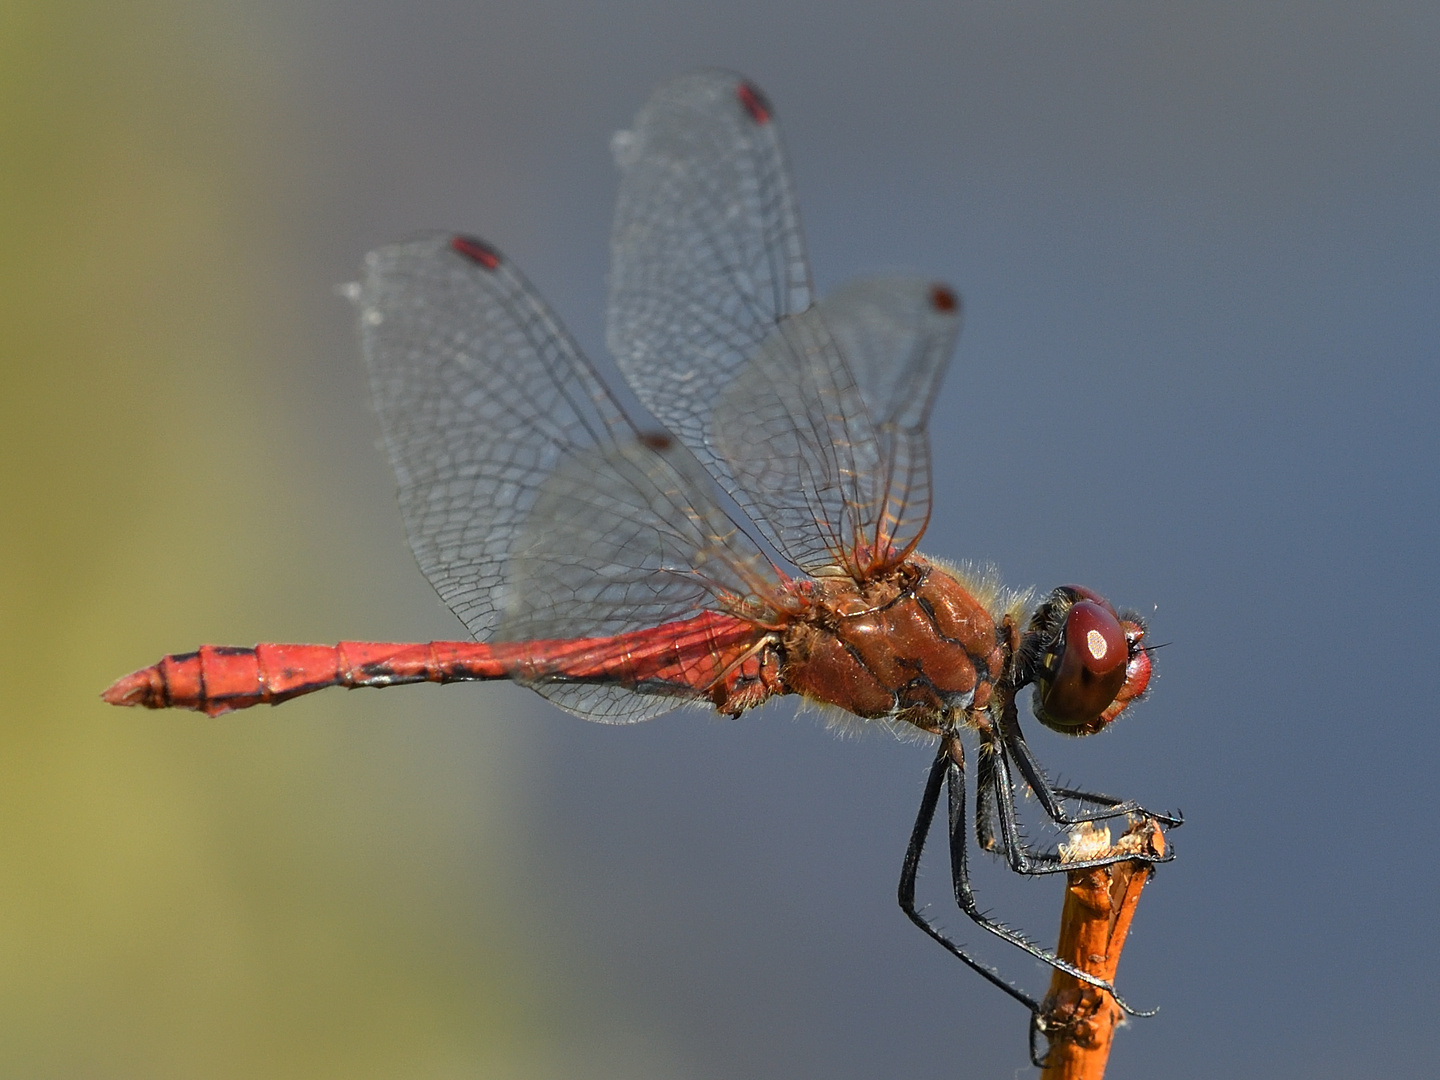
<point x="692" y="655"/>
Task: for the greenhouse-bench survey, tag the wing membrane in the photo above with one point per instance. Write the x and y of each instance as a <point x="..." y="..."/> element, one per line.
<point x="897" y="335"/>
<point x="811" y="418"/>
<point x="622" y="537"/>
<point x="529" y="498"/>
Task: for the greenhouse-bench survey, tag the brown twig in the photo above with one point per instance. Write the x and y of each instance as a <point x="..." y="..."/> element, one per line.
<point x="1079" y="1020"/>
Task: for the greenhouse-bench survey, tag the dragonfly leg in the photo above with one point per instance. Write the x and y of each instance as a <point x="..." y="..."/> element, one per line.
<point x="948" y="768"/>
<point x="908" y="870"/>
<point x="1022" y="859"/>
<point x="1037" y="1028"/>
<point x="986" y="814"/>
<point x="1050" y="797"/>
<point x="951" y="761"/>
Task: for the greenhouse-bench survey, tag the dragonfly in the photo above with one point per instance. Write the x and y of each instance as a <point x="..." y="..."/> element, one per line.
<point x="755" y="536"/>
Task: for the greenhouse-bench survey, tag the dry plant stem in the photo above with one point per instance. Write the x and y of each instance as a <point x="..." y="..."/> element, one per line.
<point x="1079" y="1020"/>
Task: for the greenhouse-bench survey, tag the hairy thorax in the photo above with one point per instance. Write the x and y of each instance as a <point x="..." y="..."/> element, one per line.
<point x="914" y="645"/>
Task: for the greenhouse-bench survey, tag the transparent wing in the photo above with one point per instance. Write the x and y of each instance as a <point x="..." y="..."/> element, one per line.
<point x="706" y="253"/>
<point x="825" y="427"/>
<point x="897" y="335"/>
<point x="813" y="420"/>
<point x="532" y="503"/>
<point x="706" y="250"/>
<point x="609" y="703"/>
<point x="622" y="537"/>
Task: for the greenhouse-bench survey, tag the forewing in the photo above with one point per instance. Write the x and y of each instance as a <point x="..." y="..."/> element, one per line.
<point x="813" y="419"/>
<point x="897" y="335"/>
<point x="793" y="432"/>
<point x="491" y="416"/>
<point x="707" y="254"/>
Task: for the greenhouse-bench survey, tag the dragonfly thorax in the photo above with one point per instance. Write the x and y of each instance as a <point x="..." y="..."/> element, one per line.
<point x="913" y="644"/>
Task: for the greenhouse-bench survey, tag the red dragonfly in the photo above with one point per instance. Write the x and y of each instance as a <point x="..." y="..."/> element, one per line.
<point x="758" y="538"/>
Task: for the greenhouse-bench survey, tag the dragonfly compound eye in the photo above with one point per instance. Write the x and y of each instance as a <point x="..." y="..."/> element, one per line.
<point x="1086" y="670"/>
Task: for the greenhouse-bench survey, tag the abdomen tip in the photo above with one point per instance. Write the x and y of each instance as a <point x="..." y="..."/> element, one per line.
<point x="137" y="688"/>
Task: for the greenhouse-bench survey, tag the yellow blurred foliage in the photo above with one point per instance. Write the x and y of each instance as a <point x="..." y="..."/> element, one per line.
<point x="181" y="897"/>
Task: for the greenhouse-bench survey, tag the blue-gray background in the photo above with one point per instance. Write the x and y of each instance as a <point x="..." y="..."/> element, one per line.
<point x="1199" y="250"/>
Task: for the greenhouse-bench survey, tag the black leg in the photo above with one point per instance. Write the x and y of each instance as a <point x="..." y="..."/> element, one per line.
<point x="1170" y="821"/>
<point x="1023" y="860"/>
<point x="1037" y="1026"/>
<point x="1002" y="798"/>
<point x="1049" y="797"/>
<point x="911" y="866"/>
<point x="985" y="812"/>
<point x="951" y="761"/>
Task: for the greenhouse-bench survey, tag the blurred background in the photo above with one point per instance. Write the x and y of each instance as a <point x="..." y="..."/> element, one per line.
<point x="1199" y="247"/>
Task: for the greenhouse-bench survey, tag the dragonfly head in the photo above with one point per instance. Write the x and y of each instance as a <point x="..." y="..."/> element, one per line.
<point x="1085" y="660"/>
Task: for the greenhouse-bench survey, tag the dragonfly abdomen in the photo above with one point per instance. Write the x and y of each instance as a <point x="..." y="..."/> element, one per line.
<point x="217" y="679"/>
<point x="709" y="655"/>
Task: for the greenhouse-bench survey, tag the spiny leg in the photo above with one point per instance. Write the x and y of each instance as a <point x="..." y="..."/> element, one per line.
<point x="986" y="815"/>
<point x="908" y="870"/>
<point x="1019" y="750"/>
<point x="994" y="789"/>
<point x="947" y="768"/>
<point x="1022" y="859"/>
<point x="951" y="760"/>
<point x="1001" y="798"/>
<point x="1095" y="798"/>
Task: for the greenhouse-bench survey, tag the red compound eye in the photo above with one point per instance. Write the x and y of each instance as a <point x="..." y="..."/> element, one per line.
<point x="1094" y="633"/>
<point x="1080" y="592"/>
<point x="1090" y="672"/>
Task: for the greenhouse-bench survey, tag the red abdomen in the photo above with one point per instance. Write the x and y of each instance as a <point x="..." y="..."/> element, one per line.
<point x="705" y="655"/>
<point x="218" y="678"/>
